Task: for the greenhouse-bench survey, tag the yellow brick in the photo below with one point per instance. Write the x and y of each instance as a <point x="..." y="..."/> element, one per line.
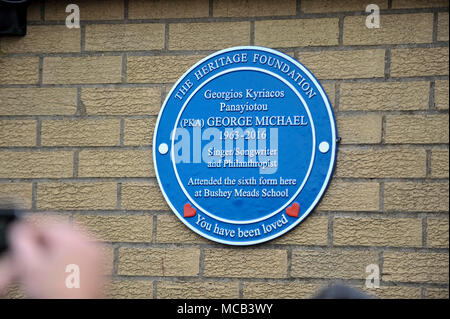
<point x="415" y="267"/>
<point x="38" y="101"/>
<point x="44" y="39"/>
<point x="359" y="129"/>
<point x="142" y="196"/>
<point x="437" y="232"/>
<point x="312" y="231"/>
<point x="394" y="29"/>
<point x="108" y="258"/>
<point x="158" y="69"/>
<point x="419" y="62"/>
<point x="417" y="129"/>
<point x="400" y="96"/>
<point x="77" y="196"/>
<point x="41" y="164"/>
<point x="253" y="8"/>
<point x="299" y="32"/>
<point x="83" y="70"/>
<point x="197" y="290"/>
<point x="94" y="163"/>
<point x="395" y="292"/>
<point x="121" y="101"/>
<point x="404" y="4"/>
<point x="89" y="10"/>
<point x="15" y="291"/>
<point x="395" y="163"/>
<point x="392" y="232"/>
<point x="34" y="11"/>
<point x="169" y="229"/>
<point x="319" y="6"/>
<point x="439" y="163"/>
<point x="130" y="289"/>
<point x="330" y="90"/>
<point x="23" y="70"/>
<point x="442" y="34"/>
<point x="436" y="293"/>
<point x="20" y="193"/>
<point x="18" y="132"/>
<point x="346" y="196"/>
<point x="117" y="228"/>
<point x="344" y="64"/>
<point x="158" y="9"/>
<point x="416" y="197"/>
<point x="208" y="36"/>
<point x="80" y="132"/>
<point x="441" y="94"/>
<point x="335" y="263"/>
<point x="125" y="37"/>
<point x="138" y="132"/>
<point x="43" y="219"/>
<point x="274" y="290"/>
<point x="179" y="262"/>
<point x="254" y="263"/>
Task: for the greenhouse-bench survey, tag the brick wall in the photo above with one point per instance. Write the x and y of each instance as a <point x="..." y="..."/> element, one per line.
<point x="78" y="109"/>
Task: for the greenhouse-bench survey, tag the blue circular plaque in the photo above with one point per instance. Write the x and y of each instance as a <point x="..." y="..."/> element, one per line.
<point x="245" y="145"/>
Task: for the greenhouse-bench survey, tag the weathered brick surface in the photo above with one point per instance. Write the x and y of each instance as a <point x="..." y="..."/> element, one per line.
<point x="195" y="290"/>
<point x="130" y="289"/>
<point x="77" y="196"/>
<point x="89" y="10"/>
<point x="144" y="9"/>
<point x="19" y="70"/>
<point x="360" y="129"/>
<point x="158" y="69"/>
<point x="321" y="6"/>
<point x="85" y="70"/>
<point x="441" y="94"/>
<point x="415" y="267"/>
<point x="395" y="29"/>
<point x="257" y="263"/>
<point x="313" y="231"/>
<point x="394" y="96"/>
<point x="405" y="4"/>
<point x="439" y="163"/>
<point x="93" y="163"/>
<point x="38" y="101"/>
<point x="251" y="8"/>
<point x="419" y="62"/>
<point x="171" y="230"/>
<point x="142" y="196"/>
<point x="121" y="101"/>
<point x="80" y="132"/>
<point x="394" y="163"/>
<point x="159" y="262"/>
<point x="395" y="292"/>
<point x="273" y="290"/>
<point x="124" y="37"/>
<point x="44" y="39"/>
<point x="138" y="132"/>
<point x="41" y="164"/>
<point x="416" y="129"/>
<point x="117" y="228"/>
<point x="18" y="132"/>
<point x="436" y="293"/>
<point x="416" y="196"/>
<point x="347" y="196"/>
<point x="442" y="34"/>
<point x="334" y="263"/>
<point x="437" y="232"/>
<point x="17" y="192"/>
<point x="397" y="232"/>
<point x="208" y="36"/>
<point x="344" y="64"/>
<point x="301" y="32"/>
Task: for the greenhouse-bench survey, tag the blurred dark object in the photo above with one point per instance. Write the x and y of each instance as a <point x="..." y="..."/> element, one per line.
<point x="13" y="17"/>
<point x="339" y="291"/>
<point x="7" y="217"/>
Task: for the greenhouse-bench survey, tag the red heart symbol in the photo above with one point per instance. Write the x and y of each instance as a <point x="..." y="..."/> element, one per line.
<point x="293" y="210"/>
<point x="189" y="211"/>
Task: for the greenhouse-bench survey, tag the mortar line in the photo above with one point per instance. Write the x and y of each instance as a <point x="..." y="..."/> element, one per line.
<point x="38" y="132"/>
<point x="119" y="196"/>
<point x="211" y="8"/>
<point x="435" y="27"/>
<point x="76" y="156"/>
<point x="298" y="8"/>
<point x="82" y="38"/>
<point x="252" y="32"/>
<point x="122" y="132"/>
<point x="125" y="10"/>
<point x="424" y="231"/>
<point x="330" y="229"/>
<point x="34" y="196"/>
<point x="432" y="105"/>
